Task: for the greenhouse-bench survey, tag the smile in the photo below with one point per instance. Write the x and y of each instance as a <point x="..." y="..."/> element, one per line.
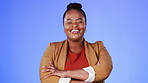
<point x="75" y="31"/>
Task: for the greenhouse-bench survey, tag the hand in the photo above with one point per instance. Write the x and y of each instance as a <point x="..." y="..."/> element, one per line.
<point x="54" y="71"/>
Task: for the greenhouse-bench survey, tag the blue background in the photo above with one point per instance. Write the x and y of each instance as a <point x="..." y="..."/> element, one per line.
<point x="27" y="26"/>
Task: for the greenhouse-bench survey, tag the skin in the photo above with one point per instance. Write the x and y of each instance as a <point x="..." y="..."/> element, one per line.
<point x="74" y="20"/>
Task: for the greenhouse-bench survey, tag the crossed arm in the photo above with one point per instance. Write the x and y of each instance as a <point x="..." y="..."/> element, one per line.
<point x="79" y="74"/>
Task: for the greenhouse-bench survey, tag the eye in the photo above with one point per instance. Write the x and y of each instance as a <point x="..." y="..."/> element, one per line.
<point x="69" y="22"/>
<point x="80" y="22"/>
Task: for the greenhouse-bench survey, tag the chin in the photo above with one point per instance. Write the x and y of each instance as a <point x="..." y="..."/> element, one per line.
<point x="76" y="39"/>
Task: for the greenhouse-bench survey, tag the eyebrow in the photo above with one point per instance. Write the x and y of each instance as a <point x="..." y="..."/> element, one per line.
<point x="72" y="19"/>
<point x="79" y="19"/>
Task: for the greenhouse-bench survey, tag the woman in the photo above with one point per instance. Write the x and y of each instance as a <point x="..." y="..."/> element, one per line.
<point x="75" y="60"/>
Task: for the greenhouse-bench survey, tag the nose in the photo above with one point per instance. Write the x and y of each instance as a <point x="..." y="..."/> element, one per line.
<point x="75" y="25"/>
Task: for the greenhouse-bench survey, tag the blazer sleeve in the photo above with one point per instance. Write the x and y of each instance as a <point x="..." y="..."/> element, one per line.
<point x="104" y="69"/>
<point x="45" y="61"/>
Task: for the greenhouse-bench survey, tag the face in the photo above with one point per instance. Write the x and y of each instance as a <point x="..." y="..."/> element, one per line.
<point x="74" y="25"/>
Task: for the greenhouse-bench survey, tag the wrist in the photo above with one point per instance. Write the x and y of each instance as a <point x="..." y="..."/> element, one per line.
<point x="66" y="73"/>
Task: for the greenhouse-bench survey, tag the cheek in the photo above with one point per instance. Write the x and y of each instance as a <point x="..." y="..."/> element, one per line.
<point x="66" y="30"/>
<point x="66" y="26"/>
<point x="83" y="27"/>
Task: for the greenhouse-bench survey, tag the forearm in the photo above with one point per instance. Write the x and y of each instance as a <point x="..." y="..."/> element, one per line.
<point x="86" y="74"/>
<point x="77" y="74"/>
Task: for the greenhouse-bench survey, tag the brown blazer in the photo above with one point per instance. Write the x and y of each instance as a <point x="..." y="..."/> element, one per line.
<point x="57" y="52"/>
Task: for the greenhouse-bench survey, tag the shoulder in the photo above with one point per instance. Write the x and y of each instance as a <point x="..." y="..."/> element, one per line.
<point x="97" y="43"/>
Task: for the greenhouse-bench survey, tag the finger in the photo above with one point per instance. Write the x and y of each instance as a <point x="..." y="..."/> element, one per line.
<point x="48" y="70"/>
<point x="51" y="74"/>
<point x="48" y="76"/>
<point x="51" y="64"/>
<point x="51" y="67"/>
<point x="44" y="71"/>
<point x="47" y="67"/>
<point x="44" y="67"/>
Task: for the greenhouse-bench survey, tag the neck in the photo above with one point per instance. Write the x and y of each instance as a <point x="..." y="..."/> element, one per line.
<point x="75" y="46"/>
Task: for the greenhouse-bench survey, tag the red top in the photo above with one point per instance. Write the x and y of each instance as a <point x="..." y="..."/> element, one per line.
<point x="76" y="60"/>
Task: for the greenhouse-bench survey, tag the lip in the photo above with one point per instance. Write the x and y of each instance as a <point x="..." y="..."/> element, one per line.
<point x="75" y="31"/>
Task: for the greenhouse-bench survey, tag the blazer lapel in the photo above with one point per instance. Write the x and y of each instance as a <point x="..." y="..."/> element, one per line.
<point x="63" y="55"/>
<point x="90" y="54"/>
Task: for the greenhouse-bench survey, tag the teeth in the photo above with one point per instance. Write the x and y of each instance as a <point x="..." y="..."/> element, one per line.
<point x="74" y="30"/>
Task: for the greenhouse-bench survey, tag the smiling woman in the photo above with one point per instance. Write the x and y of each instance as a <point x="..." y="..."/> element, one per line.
<point x="74" y="23"/>
<point x="74" y="60"/>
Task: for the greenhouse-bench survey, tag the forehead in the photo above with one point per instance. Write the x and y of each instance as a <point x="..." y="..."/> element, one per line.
<point x="73" y="14"/>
